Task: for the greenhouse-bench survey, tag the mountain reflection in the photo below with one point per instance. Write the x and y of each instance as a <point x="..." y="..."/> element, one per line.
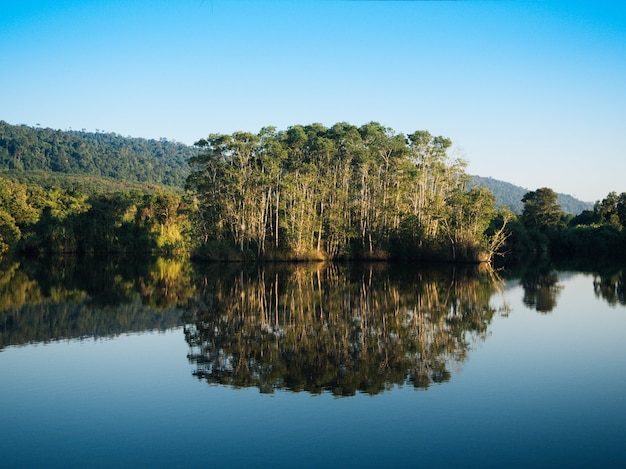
<point x="336" y="328"/>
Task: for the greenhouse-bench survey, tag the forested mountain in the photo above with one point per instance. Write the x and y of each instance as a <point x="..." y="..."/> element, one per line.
<point x="511" y="195"/>
<point x="27" y="152"/>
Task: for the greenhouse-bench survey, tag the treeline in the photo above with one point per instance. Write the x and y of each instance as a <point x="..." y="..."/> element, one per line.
<point x="25" y="149"/>
<point x="34" y="220"/>
<point x="309" y="192"/>
<point x="544" y="228"/>
<point x="88" y="185"/>
<point x="340" y="192"/>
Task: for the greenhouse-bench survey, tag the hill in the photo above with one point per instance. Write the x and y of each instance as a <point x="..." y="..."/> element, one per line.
<point x="27" y="152"/>
<point x="511" y="195"/>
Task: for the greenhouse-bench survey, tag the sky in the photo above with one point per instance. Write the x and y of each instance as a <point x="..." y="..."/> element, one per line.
<point x="532" y="92"/>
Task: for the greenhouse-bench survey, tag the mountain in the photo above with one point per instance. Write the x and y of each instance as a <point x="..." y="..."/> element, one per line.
<point x="26" y="151"/>
<point x="511" y="195"/>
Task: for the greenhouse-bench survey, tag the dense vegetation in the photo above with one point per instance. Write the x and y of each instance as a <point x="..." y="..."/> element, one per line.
<point x="544" y="228"/>
<point x="64" y="220"/>
<point x="24" y="150"/>
<point x="340" y="192"/>
<point x="309" y="192"/>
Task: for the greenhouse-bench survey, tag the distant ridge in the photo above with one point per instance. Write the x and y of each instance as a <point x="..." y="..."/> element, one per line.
<point x="32" y="152"/>
<point x="511" y="195"/>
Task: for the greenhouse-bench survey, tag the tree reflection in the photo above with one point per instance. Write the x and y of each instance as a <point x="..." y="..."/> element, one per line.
<point x="610" y="287"/>
<point x="336" y="328"/>
<point x="541" y="290"/>
<point x="78" y="297"/>
<point x="540" y="279"/>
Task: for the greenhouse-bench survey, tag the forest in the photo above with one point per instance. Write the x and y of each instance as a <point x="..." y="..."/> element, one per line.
<point x="309" y="192"/>
<point x="313" y="192"/>
<point x="30" y="154"/>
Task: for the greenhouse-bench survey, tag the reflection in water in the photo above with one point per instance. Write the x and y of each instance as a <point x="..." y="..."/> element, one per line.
<point x="529" y="397"/>
<point x="540" y="280"/>
<point x="610" y="287"/>
<point x="67" y="298"/>
<point x="336" y="328"/>
<point x="329" y="327"/>
<point x="541" y="290"/>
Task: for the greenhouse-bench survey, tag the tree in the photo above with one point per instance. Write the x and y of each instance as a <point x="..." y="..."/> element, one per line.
<point x="317" y="192"/>
<point x="382" y="183"/>
<point x="16" y="213"/>
<point x="541" y="209"/>
<point x="9" y="232"/>
<point x="470" y="215"/>
<point x="436" y="179"/>
<point x="612" y="210"/>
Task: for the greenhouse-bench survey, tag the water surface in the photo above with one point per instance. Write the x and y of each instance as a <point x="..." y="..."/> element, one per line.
<point x="170" y="364"/>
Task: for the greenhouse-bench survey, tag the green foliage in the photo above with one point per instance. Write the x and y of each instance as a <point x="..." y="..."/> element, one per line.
<point x="597" y="234"/>
<point x="586" y="217"/>
<point x="104" y="155"/>
<point x="309" y="192"/>
<point x="541" y="209"/>
<point x="16" y="213"/>
<point x="589" y="241"/>
<point x="124" y="222"/>
<point x="312" y="192"/>
<point x="525" y="240"/>
<point x="67" y="220"/>
<point x="611" y="210"/>
<point x="9" y="232"/>
<point x="90" y="185"/>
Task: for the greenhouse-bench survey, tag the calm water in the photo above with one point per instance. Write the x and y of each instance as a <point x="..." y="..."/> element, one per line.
<point x="162" y="363"/>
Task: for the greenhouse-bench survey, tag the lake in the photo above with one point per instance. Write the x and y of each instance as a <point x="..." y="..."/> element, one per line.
<point x="160" y="362"/>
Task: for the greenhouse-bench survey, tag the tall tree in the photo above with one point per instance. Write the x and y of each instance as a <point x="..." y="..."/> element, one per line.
<point x="541" y="209"/>
<point x="612" y="209"/>
<point x="332" y="192"/>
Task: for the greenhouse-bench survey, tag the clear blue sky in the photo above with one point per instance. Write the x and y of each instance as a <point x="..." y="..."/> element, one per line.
<point x="531" y="92"/>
